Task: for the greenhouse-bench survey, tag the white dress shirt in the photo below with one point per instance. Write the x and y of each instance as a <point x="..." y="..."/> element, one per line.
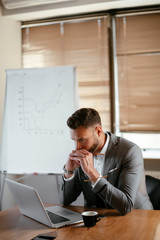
<point x="99" y="159"/>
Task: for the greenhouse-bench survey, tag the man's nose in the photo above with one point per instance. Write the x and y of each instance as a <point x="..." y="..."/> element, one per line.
<point x="78" y="146"/>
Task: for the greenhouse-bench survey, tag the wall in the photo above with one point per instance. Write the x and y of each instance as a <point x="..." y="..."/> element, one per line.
<point x="10" y="57"/>
<point x="10" y="53"/>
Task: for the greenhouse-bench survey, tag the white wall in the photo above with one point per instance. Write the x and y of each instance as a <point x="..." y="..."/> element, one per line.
<point x="10" y="53"/>
<point x="10" y="57"/>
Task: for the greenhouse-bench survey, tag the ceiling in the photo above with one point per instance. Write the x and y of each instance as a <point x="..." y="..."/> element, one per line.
<point x="68" y="7"/>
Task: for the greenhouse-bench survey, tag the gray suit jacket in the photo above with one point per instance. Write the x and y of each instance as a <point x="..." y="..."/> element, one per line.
<point x="123" y="189"/>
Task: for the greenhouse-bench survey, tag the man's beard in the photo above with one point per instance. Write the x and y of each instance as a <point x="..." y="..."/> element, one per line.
<point x="94" y="146"/>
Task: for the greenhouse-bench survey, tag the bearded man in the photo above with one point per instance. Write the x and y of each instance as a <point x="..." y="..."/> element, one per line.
<point x="107" y="169"/>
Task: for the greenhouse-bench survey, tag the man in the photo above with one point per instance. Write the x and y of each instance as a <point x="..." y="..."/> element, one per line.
<point x="106" y="168"/>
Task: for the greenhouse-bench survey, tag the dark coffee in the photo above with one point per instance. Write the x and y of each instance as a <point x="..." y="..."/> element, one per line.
<point x="90" y="218"/>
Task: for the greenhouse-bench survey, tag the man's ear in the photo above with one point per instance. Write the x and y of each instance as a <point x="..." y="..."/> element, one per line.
<point x="98" y="130"/>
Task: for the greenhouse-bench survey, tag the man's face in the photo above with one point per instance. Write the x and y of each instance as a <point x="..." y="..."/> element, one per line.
<point x="85" y="138"/>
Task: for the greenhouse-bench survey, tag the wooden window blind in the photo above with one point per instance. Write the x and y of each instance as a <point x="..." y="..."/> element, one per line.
<point x="138" y="56"/>
<point x="83" y="44"/>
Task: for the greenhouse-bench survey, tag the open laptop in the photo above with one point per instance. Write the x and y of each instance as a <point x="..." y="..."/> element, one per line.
<point x="30" y="205"/>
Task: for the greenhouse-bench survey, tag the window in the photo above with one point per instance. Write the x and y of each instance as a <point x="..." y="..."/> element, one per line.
<point x="82" y="43"/>
<point x="138" y="59"/>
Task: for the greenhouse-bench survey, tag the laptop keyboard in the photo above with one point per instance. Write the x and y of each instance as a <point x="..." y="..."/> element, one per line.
<point x="56" y="218"/>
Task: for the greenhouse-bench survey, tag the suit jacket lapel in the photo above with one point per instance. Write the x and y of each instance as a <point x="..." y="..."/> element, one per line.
<point x="110" y="160"/>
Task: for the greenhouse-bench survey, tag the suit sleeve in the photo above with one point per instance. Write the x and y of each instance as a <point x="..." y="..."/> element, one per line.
<point x="69" y="190"/>
<point x="122" y="196"/>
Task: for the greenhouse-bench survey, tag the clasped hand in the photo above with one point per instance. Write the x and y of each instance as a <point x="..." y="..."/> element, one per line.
<point x="81" y="158"/>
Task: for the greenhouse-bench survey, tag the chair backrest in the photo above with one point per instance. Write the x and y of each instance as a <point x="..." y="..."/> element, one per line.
<point x="153" y="189"/>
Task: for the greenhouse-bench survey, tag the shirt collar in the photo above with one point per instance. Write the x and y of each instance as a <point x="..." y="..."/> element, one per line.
<point x="104" y="149"/>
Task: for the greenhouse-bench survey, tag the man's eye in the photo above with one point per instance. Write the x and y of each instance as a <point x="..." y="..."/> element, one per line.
<point x="81" y="140"/>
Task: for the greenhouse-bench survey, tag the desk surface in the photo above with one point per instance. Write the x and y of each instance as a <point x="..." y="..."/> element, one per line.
<point x="137" y="225"/>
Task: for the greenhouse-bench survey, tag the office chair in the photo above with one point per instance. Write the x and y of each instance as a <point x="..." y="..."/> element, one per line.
<point x="153" y="189"/>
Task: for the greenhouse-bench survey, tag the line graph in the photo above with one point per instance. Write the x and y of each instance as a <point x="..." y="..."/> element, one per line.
<point x="39" y="114"/>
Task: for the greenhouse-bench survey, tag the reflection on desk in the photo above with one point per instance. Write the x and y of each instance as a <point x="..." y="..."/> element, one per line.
<point x="136" y="225"/>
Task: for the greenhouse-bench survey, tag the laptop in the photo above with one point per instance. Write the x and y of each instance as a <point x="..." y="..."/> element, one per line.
<point x="30" y="205"/>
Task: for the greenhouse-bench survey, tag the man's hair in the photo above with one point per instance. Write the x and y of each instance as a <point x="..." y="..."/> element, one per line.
<point x="85" y="117"/>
